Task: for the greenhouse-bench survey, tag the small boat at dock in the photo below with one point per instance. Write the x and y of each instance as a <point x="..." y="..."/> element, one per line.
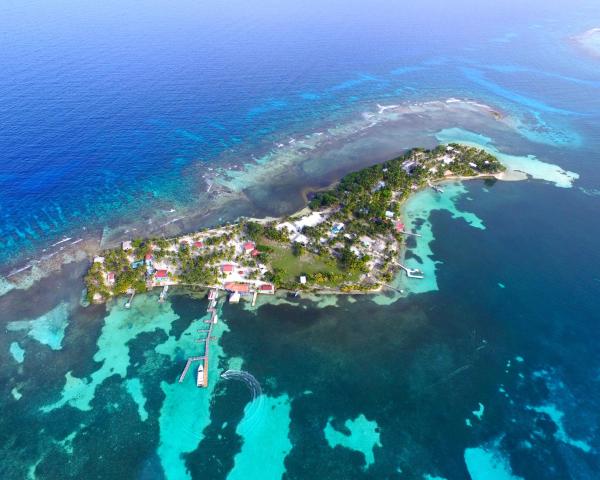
<point x="201" y="377"/>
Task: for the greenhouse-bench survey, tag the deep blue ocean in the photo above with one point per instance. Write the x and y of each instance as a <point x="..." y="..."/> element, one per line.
<point x="120" y="115"/>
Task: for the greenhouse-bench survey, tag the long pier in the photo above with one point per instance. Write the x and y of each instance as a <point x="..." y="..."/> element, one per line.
<point x="212" y="309"/>
<point x="412" y="272"/>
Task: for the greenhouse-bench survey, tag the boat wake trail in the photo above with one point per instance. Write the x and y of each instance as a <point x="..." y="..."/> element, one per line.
<point x="252" y="413"/>
<point x="247" y="378"/>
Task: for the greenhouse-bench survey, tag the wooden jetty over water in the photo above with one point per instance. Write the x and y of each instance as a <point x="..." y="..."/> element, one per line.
<point x="131" y="292"/>
<point x="202" y="371"/>
<point x="412" y="272"/>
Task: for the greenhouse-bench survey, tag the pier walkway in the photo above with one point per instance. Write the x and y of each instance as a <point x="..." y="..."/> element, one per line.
<point x="212" y="309"/>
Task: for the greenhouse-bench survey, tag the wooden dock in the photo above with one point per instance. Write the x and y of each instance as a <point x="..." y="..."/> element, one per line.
<point x="412" y="272"/>
<point x="212" y="309"/>
<point x="132" y="292"/>
<point x="163" y="294"/>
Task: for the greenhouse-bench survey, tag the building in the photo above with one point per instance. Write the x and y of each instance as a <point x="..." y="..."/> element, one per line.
<point x="234" y="297"/>
<point x="110" y="278"/>
<point x="237" y="287"/>
<point x="337" y="228"/>
<point x="389" y="214"/>
<point x="148" y="258"/>
<point x="399" y="227"/>
<point x="248" y="247"/>
<point x="266" y="288"/>
<point x="126" y="245"/>
<point x="255" y="253"/>
<point x="99" y="260"/>
<point x="198" y="245"/>
<point x="161" y="276"/>
<point x="227" y="268"/>
<point x="303" y="280"/>
<point x="300" y="238"/>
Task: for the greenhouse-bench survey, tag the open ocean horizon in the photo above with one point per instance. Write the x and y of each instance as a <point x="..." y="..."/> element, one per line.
<point x="122" y="120"/>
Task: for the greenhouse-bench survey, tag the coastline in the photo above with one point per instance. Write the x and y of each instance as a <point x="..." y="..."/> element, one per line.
<point x="349" y="238"/>
<point x="229" y="195"/>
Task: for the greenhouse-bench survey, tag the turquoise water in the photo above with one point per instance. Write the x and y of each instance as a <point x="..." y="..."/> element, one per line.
<point x="119" y="119"/>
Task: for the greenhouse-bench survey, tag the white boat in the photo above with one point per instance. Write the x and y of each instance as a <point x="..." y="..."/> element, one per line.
<point x="200" y="380"/>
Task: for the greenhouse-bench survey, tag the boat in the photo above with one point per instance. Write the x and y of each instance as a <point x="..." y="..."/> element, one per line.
<point x="201" y="378"/>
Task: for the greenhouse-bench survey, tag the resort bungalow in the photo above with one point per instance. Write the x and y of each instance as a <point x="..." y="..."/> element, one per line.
<point x="148" y="259"/>
<point x="389" y="214"/>
<point x="303" y="279"/>
<point x="237" y="287"/>
<point x="399" y="227"/>
<point x="126" y="245"/>
<point x="110" y="278"/>
<point x="227" y="268"/>
<point x="198" y="245"/>
<point x="161" y="276"/>
<point x="248" y="247"/>
<point x="99" y="260"/>
<point x="267" y="288"/>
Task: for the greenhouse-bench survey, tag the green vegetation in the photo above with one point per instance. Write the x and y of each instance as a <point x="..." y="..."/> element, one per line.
<point x="352" y="246"/>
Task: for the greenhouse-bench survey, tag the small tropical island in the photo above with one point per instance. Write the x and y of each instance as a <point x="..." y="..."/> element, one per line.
<point x="349" y="239"/>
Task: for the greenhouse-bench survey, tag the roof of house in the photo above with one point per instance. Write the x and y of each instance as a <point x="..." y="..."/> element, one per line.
<point x="237" y="287"/>
<point x="110" y="275"/>
<point x="227" y="268"/>
<point x="255" y="253"/>
<point x="149" y="256"/>
<point x="249" y="246"/>
<point x="266" y="286"/>
<point x="161" y="274"/>
<point x="198" y="244"/>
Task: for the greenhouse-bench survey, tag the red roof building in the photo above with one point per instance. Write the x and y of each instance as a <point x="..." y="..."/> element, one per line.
<point x="110" y="277"/>
<point x="267" y="287"/>
<point x="237" y="287"/>
<point x="148" y="256"/>
<point x="161" y="274"/>
<point x="255" y="253"/>
<point x="198" y="244"/>
<point x="248" y="247"/>
<point x="399" y="227"/>
<point x="227" y="268"/>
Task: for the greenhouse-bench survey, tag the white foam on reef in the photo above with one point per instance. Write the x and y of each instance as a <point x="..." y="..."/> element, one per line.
<point x="48" y="329"/>
<point x="120" y="327"/>
<point x="419" y="208"/>
<point x="256" y="460"/>
<point x="17" y="352"/>
<point x="363" y="438"/>
<point x="181" y="423"/>
<point x="283" y="159"/>
<point x="488" y="463"/>
<point x="527" y="164"/>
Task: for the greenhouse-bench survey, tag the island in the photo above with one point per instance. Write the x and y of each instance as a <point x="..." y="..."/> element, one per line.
<point x="348" y="239"/>
<point x="589" y="41"/>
